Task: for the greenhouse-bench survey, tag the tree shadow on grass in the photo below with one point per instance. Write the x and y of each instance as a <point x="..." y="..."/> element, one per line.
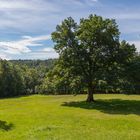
<point x="110" y="106"/>
<point x="5" y="126"/>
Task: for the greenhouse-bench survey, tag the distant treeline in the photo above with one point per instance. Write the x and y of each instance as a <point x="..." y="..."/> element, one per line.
<point x="37" y="64"/>
<point x="23" y="77"/>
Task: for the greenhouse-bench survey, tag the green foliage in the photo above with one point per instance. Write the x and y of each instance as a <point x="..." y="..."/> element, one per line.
<point x="132" y="76"/>
<point x="43" y="65"/>
<point x="32" y="79"/>
<point x="59" y="81"/>
<point x="22" y="77"/>
<point x="11" y="80"/>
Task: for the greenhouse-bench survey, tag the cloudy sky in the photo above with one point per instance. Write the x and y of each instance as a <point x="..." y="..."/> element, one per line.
<point x="26" y="25"/>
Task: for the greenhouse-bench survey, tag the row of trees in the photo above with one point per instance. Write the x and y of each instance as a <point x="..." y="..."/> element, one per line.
<point x="91" y="59"/>
<point x="19" y="78"/>
<point x="22" y="77"/>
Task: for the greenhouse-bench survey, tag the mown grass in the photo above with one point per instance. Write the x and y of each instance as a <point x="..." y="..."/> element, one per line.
<point x="111" y="117"/>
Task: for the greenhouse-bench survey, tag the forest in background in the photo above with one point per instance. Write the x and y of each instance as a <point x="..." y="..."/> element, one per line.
<point x="23" y="77"/>
<point x="26" y="77"/>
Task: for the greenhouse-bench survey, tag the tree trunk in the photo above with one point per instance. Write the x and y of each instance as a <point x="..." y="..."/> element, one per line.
<point x="34" y="90"/>
<point x="90" y="94"/>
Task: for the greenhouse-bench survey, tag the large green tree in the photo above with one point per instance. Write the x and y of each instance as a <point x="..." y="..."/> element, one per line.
<point x="90" y="50"/>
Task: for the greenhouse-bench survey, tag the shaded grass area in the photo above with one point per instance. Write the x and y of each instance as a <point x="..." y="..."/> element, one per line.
<point x="110" y="106"/>
<point x="66" y="117"/>
<point x="5" y="126"/>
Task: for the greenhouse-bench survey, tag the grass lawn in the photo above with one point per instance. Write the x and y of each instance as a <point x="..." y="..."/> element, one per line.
<point x="112" y="117"/>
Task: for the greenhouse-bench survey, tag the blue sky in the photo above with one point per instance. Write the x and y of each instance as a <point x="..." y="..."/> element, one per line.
<point x="26" y="25"/>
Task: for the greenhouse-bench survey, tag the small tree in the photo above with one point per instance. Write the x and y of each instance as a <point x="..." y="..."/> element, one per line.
<point x="89" y="49"/>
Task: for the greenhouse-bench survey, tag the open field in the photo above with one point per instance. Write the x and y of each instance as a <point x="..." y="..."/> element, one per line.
<point x="112" y="117"/>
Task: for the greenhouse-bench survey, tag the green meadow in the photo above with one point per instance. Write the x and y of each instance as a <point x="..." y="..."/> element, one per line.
<point x="68" y="117"/>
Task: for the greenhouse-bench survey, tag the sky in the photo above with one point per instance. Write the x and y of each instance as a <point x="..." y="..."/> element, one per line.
<point x="26" y="25"/>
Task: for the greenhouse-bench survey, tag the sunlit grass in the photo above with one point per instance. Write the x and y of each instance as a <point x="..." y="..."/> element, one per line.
<point x="112" y="117"/>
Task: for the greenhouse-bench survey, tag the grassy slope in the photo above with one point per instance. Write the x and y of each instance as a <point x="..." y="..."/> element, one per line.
<point x="112" y="117"/>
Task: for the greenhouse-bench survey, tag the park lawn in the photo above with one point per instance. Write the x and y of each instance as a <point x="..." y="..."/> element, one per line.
<point x="67" y="117"/>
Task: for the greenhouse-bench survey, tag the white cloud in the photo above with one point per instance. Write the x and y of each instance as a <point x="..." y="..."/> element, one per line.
<point x="26" y="16"/>
<point x="48" y="50"/>
<point x="45" y="53"/>
<point x="21" y="46"/>
<point x="4" y="56"/>
<point x="26" y="5"/>
<point x="6" y="4"/>
<point x="39" y="15"/>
